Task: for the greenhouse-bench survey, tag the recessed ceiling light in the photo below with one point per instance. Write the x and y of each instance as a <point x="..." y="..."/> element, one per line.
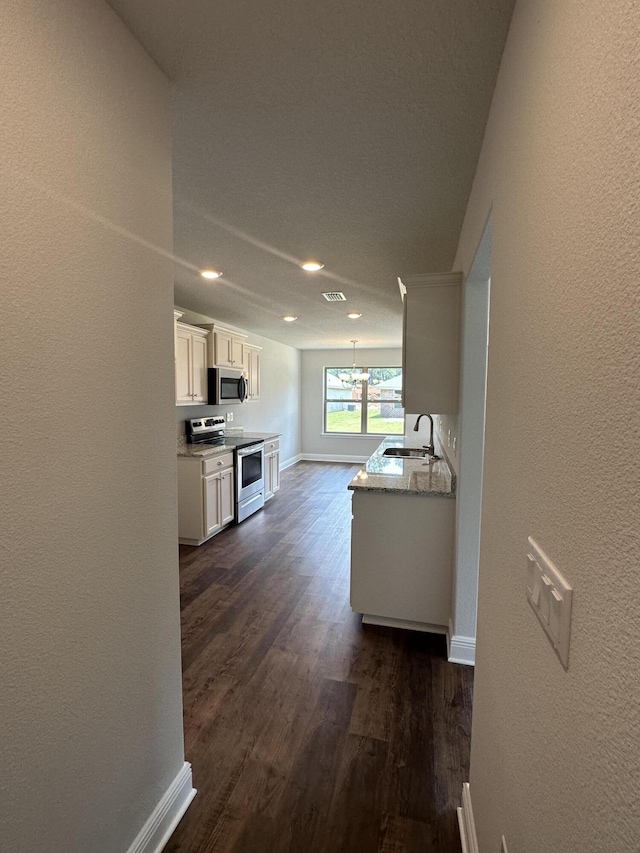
<point x="289" y="318"/>
<point x="354" y="315"/>
<point x="210" y="273"/>
<point x="312" y="266"/>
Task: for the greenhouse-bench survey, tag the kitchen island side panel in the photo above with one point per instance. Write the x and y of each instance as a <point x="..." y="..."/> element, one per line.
<point x="402" y="556"/>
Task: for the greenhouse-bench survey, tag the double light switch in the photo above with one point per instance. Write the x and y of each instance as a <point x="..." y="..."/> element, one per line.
<point x="550" y="596"/>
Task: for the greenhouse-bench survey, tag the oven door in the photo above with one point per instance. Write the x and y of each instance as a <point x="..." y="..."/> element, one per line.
<point x="250" y="471"/>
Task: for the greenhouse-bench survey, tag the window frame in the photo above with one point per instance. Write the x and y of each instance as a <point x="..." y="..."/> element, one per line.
<point x="363" y="402"/>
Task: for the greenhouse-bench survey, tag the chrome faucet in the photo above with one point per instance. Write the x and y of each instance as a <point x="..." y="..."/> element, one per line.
<point x="430" y="448"/>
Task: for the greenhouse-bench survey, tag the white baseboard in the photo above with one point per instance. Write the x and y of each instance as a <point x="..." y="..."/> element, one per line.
<point x="389" y="622"/>
<point x="289" y="462"/>
<point x="331" y="457"/>
<point x="460" y="649"/>
<point x="163" y="820"/>
<point x="466" y="823"/>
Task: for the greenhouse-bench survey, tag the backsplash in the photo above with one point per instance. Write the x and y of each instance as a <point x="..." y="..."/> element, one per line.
<point x="449" y="443"/>
<point x="448" y="433"/>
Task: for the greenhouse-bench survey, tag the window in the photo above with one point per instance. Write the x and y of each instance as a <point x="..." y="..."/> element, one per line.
<point x="371" y="406"/>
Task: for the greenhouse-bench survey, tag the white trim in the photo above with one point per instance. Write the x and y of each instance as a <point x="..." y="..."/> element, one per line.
<point x="362" y="435"/>
<point x="389" y="622"/>
<point x="162" y="821"/>
<point x="466" y="823"/>
<point x="460" y="649"/>
<point x="437" y="279"/>
<point x="331" y="457"/>
<point x="289" y="462"/>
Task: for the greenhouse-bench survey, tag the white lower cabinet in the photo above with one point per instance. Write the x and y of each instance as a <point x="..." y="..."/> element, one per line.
<point x="218" y="501"/>
<point x="271" y="468"/>
<point x="227" y="498"/>
<point x="402" y="559"/>
<point x="206" y="497"/>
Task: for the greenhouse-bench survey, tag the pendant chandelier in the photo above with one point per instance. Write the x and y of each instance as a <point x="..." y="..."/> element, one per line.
<point x="352" y="379"/>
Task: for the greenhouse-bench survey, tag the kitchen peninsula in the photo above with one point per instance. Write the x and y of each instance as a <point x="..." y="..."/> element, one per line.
<point x="402" y="537"/>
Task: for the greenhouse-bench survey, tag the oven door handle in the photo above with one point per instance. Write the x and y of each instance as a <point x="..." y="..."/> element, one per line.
<point x="252" y="448"/>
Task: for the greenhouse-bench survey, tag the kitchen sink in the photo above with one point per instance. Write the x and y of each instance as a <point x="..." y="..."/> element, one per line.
<point x="412" y="452"/>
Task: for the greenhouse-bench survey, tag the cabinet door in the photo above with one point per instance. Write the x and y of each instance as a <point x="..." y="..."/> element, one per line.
<point x="227" y="502"/>
<point x="248" y="370"/>
<point x="254" y="375"/>
<point x="268" y="476"/>
<point x="271" y="474"/>
<point x="431" y="344"/>
<point x="199" y="367"/>
<point x="183" y="369"/>
<point x="275" y="474"/>
<point x="222" y="349"/>
<point x="237" y="352"/>
<point x="212" y="502"/>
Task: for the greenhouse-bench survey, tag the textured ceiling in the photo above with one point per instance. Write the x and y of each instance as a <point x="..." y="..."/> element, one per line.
<point x="344" y="130"/>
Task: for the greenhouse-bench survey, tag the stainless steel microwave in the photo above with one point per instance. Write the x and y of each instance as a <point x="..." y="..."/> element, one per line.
<point x="225" y="385"/>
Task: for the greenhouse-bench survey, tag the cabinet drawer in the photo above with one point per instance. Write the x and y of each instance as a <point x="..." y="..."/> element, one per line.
<point x="271" y="445"/>
<point x="218" y="463"/>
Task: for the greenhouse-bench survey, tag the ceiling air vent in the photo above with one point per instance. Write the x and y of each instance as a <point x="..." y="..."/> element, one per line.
<point x="335" y="296"/>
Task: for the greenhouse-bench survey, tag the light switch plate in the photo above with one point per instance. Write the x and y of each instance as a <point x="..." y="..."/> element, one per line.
<point x="229" y="417"/>
<point x="551" y="598"/>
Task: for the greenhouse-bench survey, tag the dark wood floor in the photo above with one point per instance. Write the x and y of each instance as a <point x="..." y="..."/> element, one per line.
<point x="308" y="732"/>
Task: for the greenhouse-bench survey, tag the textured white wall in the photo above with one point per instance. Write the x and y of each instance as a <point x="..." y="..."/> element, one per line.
<point x="556" y="754"/>
<point x="89" y="622"/>
<point x="313" y="364"/>
<point x="278" y="408"/>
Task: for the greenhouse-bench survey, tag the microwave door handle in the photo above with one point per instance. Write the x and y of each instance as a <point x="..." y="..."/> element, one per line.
<point x="243" y="389"/>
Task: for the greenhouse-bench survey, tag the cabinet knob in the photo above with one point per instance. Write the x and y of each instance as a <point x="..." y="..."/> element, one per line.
<point x="219" y="461"/>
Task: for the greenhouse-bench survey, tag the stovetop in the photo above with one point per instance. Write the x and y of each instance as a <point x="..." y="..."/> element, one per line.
<point x="210" y="430"/>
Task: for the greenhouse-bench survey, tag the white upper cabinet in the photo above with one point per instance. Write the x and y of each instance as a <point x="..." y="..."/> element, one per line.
<point x="252" y="370"/>
<point x="191" y="365"/>
<point x="431" y="342"/>
<point x="211" y="345"/>
<point x="226" y="347"/>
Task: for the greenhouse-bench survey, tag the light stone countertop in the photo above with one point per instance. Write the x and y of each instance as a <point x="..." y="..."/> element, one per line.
<point x="395" y="475"/>
<point x="204" y="451"/>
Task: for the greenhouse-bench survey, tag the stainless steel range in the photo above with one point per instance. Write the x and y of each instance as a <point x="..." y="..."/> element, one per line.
<point x="249" y="461"/>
